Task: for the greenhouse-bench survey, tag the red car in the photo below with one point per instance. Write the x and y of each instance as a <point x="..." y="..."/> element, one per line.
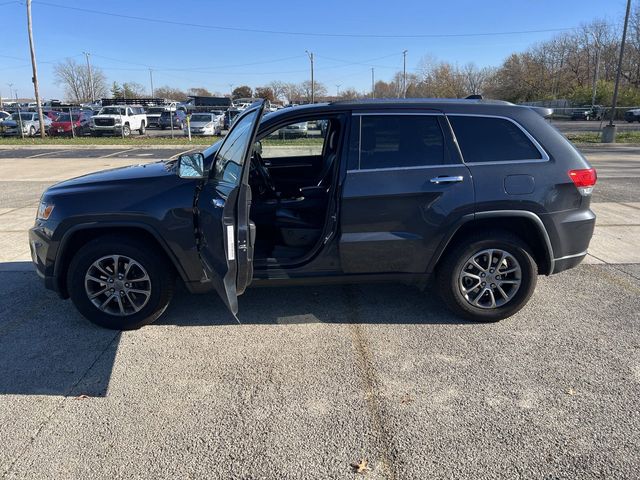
<point x="53" y="115"/>
<point x="62" y="125"/>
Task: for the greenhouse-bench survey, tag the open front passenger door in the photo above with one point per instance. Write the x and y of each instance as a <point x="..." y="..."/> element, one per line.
<point x="226" y="234"/>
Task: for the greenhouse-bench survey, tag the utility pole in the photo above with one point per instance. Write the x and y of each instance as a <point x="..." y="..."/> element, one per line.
<point x="35" y="70"/>
<point x="373" y="84"/>
<point x="313" y="85"/>
<point x="91" y="85"/>
<point x="404" y="73"/>
<point x="151" y="78"/>
<point x="609" y="131"/>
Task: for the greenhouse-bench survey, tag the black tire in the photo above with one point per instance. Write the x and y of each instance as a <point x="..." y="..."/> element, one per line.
<point x="141" y="130"/>
<point x="160" y="273"/>
<point x="126" y="130"/>
<point x="455" y="260"/>
<point x="162" y="127"/>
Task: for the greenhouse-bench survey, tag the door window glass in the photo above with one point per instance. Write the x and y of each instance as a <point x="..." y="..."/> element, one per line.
<point x="308" y="135"/>
<point x="230" y="157"/>
<point x="489" y="139"/>
<point x="397" y="141"/>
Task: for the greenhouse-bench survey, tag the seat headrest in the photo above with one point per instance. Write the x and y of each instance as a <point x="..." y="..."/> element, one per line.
<point x="332" y="140"/>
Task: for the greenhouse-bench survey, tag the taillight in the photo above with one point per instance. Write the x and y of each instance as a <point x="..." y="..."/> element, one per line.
<point x="584" y="179"/>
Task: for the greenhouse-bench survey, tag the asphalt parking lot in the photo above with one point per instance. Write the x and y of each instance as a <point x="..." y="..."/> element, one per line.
<point x="317" y="378"/>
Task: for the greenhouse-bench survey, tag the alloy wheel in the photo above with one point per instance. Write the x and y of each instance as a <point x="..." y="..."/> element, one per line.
<point x="490" y="278"/>
<point x="117" y="285"/>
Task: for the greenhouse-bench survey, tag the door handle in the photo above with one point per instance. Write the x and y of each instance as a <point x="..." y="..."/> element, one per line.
<point x="446" y="179"/>
<point x="218" y="203"/>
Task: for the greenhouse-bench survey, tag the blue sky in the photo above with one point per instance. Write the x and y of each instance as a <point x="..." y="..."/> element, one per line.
<point x="189" y="56"/>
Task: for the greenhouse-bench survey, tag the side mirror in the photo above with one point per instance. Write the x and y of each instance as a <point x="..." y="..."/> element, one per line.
<point x="257" y="147"/>
<point x="191" y="165"/>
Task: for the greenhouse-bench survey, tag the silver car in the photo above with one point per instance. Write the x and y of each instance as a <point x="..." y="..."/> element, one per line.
<point x="29" y="122"/>
<point x="204" y="124"/>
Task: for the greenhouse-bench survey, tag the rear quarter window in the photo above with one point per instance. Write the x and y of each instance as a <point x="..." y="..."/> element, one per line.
<point x="490" y="139"/>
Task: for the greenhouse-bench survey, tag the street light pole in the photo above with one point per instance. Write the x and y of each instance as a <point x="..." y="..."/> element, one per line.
<point x="338" y="89"/>
<point x="151" y="78"/>
<point x="35" y="70"/>
<point x="373" y="84"/>
<point x="609" y="132"/>
<point x="404" y="73"/>
<point x="313" y="85"/>
<point x="91" y="86"/>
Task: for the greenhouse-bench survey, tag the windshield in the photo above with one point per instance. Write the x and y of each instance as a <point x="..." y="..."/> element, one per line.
<point x="201" y="118"/>
<point x="112" y="111"/>
<point x="65" y="117"/>
<point x="24" y="116"/>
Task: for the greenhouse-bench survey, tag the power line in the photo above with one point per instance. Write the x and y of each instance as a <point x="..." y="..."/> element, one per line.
<point x="305" y="34"/>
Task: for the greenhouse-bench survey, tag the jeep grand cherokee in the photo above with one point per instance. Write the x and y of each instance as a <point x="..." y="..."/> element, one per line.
<point x="482" y="196"/>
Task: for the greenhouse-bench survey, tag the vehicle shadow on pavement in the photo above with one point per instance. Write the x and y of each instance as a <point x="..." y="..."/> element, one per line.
<point x="46" y="346"/>
<point x="371" y="303"/>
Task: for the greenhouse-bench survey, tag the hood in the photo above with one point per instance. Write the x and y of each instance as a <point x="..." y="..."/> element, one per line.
<point x="116" y="176"/>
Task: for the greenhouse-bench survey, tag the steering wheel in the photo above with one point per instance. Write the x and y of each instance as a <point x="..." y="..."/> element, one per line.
<point x="263" y="173"/>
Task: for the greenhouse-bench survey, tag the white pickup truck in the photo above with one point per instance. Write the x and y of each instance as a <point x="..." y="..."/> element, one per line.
<point x="119" y="120"/>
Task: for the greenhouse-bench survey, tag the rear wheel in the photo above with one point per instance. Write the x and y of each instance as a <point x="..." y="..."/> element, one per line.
<point x="119" y="283"/>
<point x="488" y="277"/>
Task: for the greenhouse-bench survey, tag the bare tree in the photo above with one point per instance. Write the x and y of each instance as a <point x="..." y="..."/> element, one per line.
<point x="170" y="93"/>
<point x="305" y="90"/>
<point x="199" y="92"/>
<point x="279" y="89"/>
<point x="74" y="77"/>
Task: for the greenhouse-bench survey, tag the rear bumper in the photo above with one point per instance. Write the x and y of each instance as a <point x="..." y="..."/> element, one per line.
<point x="570" y="233"/>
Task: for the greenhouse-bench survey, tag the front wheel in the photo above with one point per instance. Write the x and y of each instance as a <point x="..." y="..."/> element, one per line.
<point x="119" y="283"/>
<point x="126" y="130"/>
<point x="488" y="277"/>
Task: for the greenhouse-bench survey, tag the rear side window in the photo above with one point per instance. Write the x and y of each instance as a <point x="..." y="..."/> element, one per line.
<point x="489" y="139"/>
<point x="395" y="141"/>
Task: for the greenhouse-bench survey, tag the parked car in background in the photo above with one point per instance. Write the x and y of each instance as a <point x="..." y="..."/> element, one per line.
<point x="153" y="114"/>
<point x="594" y="112"/>
<point x="52" y="114"/>
<point x="229" y="117"/>
<point x="28" y="120"/>
<point x="204" y="124"/>
<point x="632" y="115"/>
<point x="176" y="120"/>
<point x="63" y="124"/>
<point x="295" y="130"/>
<point x="4" y="115"/>
<point x="119" y="120"/>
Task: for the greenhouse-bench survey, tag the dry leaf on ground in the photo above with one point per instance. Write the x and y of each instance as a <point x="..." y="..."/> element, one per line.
<point x="360" y="467"/>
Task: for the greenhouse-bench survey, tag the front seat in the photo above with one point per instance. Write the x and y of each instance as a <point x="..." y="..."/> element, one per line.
<point x="297" y="222"/>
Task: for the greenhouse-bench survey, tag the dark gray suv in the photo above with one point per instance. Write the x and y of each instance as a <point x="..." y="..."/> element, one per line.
<point x="472" y="198"/>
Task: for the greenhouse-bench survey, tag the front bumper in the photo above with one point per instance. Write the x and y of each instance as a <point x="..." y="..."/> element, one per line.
<point x="43" y="258"/>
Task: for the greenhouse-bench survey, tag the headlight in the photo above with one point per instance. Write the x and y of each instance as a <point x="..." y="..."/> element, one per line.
<point x="44" y="210"/>
<point x="117" y="122"/>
